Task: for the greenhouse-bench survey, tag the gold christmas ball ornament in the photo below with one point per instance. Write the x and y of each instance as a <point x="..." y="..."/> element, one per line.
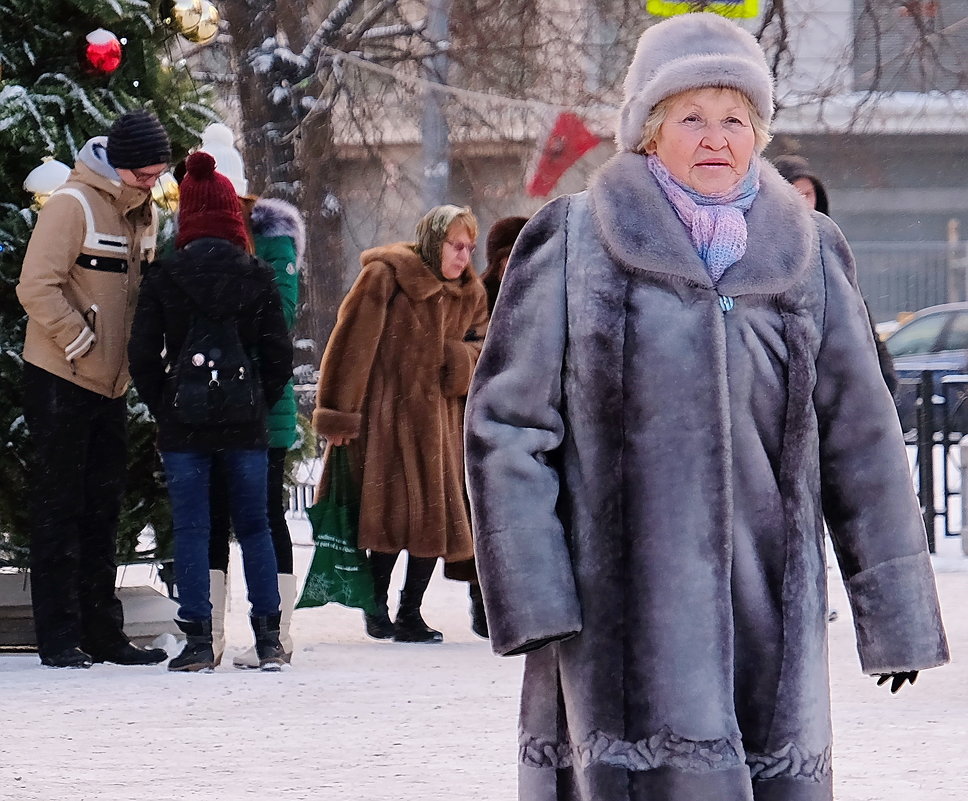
<point x="165" y="192"/>
<point x="207" y="29"/>
<point x="182" y="16"/>
<point x="43" y="180"/>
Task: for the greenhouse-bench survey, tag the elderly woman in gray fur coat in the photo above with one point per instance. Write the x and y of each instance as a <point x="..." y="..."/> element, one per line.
<point x="678" y="387"/>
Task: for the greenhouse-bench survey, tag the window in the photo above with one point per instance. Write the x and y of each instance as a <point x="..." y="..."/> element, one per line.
<point x="919" y="336"/>
<point x="910" y="45"/>
<point x="956" y="337"/>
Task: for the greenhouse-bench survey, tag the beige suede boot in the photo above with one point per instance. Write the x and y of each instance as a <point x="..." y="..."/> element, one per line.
<point x="217" y="591"/>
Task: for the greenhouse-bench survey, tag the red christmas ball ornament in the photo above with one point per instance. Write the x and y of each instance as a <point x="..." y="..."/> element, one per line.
<point x="101" y="52"/>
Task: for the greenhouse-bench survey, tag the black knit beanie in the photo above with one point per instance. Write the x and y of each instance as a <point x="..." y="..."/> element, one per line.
<point x="137" y="140"/>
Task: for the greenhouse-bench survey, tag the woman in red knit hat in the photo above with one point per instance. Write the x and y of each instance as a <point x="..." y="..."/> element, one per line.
<point x="212" y="283"/>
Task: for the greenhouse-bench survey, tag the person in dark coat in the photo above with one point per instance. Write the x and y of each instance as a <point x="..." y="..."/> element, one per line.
<point x="796" y="170"/>
<point x="500" y="240"/>
<point x="651" y="464"/>
<point x="213" y="272"/>
<point x="278" y="238"/>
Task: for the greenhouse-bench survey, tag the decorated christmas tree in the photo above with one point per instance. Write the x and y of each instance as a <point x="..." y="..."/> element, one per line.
<point x="68" y="68"/>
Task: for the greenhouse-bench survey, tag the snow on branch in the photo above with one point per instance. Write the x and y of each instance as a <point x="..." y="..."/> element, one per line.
<point x="76" y="91"/>
<point x="371" y="16"/>
<point x="262" y="58"/>
<point x="328" y="27"/>
<point x="388" y="31"/>
<point x="17" y="103"/>
<point x="285" y="55"/>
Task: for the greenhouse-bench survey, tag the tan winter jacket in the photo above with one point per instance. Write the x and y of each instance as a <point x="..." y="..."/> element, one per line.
<point x="83" y="268"/>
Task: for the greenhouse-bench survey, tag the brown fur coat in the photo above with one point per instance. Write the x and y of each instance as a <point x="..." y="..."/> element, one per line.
<point x="394" y="377"/>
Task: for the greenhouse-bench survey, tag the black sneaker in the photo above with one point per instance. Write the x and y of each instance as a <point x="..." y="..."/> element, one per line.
<point x="70" y="658"/>
<point x="128" y="653"/>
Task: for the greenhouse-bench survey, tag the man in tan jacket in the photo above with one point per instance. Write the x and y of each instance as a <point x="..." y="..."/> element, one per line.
<point x="79" y="287"/>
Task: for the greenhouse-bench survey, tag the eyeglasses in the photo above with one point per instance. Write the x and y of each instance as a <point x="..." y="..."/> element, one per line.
<point x="148" y="176"/>
<point x="460" y="247"/>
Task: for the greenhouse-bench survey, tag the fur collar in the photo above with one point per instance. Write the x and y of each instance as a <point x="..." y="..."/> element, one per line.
<point x="414" y="277"/>
<point x="640" y="229"/>
<point x="274" y="217"/>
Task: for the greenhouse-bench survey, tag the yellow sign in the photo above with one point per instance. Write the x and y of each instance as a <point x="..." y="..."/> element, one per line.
<point x="737" y="9"/>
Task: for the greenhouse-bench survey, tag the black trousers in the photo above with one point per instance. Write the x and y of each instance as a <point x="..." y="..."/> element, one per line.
<point x="218" y="542"/>
<point x="77" y="470"/>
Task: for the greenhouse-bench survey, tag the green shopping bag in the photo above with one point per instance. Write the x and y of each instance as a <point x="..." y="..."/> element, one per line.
<point x="340" y="572"/>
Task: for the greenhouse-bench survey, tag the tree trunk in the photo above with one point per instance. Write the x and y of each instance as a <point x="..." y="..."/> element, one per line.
<point x="323" y="272"/>
<point x="300" y="168"/>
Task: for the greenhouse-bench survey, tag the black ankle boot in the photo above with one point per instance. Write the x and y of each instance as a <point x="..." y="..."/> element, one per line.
<point x="410" y="626"/>
<point x="267" y="645"/>
<point x="478" y="614"/>
<point x="127" y="653"/>
<point x="379" y="626"/>
<point x="197" y="653"/>
<point x="68" y="658"/>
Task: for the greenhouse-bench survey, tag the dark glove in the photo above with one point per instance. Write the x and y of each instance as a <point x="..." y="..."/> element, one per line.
<point x="897" y="679"/>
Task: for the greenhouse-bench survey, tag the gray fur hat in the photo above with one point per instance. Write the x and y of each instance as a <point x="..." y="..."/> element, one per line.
<point x="692" y="51"/>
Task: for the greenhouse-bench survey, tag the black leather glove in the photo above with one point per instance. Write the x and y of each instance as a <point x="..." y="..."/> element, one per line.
<point x="897" y="679"/>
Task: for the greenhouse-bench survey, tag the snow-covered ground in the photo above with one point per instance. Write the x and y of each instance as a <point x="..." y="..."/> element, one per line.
<point x="377" y="721"/>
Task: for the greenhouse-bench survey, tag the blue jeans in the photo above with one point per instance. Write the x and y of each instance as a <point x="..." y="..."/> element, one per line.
<point x="188" y="476"/>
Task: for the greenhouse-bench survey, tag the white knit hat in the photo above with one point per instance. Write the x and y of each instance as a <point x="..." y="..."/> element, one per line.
<point x="219" y="142"/>
<point x="692" y="51"/>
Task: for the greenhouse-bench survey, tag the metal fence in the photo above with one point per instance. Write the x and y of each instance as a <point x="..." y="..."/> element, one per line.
<point x="301" y="485"/>
<point x="906" y="276"/>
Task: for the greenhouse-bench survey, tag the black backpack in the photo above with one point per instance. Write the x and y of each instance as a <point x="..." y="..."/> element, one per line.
<point x="213" y="381"/>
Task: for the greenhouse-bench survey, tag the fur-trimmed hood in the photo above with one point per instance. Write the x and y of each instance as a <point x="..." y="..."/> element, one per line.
<point x="413" y="274"/>
<point x="274" y="217"/>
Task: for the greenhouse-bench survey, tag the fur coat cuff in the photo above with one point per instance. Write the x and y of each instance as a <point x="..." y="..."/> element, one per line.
<point x="894" y="633"/>
<point x="459" y="361"/>
<point x="534" y="604"/>
<point x="333" y="423"/>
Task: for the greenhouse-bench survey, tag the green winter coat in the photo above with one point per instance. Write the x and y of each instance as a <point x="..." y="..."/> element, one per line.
<point x="278" y="236"/>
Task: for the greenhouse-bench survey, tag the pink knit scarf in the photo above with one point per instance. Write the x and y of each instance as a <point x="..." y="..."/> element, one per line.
<point x="716" y="223"/>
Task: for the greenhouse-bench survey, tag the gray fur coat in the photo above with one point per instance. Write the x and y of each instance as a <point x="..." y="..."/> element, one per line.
<point x="650" y="460"/>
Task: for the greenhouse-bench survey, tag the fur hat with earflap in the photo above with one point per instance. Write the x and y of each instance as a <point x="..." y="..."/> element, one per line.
<point x="692" y="51"/>
<point x="208" y="205"/>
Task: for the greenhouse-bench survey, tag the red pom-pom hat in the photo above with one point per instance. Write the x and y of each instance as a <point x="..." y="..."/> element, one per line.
<point x="208" y="205"/>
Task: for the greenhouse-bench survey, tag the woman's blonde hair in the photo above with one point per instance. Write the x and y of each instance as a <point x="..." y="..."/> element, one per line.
<point x="761" y="129"/>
